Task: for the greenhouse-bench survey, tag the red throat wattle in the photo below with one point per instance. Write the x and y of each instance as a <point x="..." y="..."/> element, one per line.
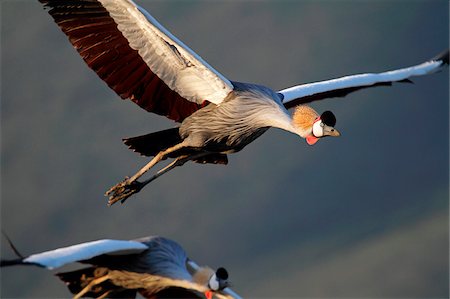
<point x="208" y="294"/>
<point x="311" y="140"/>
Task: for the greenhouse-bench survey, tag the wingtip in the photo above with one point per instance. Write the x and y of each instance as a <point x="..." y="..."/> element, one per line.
<point x="14" y="262"/>
<point x="11" y="245"/>
<point x="443" y="56"/>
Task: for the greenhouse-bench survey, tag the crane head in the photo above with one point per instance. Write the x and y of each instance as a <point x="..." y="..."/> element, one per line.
<point x="219" y="280"/>
<point x="312" y="126"/>
<point x="323" y="126"/>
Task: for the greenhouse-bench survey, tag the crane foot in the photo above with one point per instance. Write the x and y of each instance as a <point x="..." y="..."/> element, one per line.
<point x="123" y="190"/>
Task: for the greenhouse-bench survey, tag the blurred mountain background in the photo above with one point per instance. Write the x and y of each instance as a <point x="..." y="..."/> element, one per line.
<point x="362" y="216"/>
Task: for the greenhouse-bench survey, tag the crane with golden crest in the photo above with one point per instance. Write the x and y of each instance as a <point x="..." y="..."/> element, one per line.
<point x="153" y="267"/>
<point x="143" y="62"/>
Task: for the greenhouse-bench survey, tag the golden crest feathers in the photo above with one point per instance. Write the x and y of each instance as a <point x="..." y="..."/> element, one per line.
<point x="304" y="117"/>
<point x="203" y="275"/>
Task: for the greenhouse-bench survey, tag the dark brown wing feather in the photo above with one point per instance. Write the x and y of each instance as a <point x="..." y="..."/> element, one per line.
<point x="95" y="36"/>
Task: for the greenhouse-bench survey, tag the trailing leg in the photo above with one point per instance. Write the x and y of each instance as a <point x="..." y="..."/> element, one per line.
<point x="129" y="186"/>
<point x="139" y="185"/>
<point x="90" y="286"/>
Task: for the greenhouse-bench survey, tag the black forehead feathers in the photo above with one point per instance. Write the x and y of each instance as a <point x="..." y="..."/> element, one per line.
<point x="221" y="273"/>
<point x="328" y="118"/>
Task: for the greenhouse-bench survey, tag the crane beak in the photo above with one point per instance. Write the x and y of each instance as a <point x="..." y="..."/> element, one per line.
<point x="329" y="131"/>
<point x="333" y="132"/>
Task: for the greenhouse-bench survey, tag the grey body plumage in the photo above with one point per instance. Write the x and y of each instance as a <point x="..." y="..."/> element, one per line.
<point x="163" y="257"/>
<point x="243" y="116"/>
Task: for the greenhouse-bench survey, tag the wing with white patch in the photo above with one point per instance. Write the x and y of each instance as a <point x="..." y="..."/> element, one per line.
<point x="340" y="87"/>
<point x="137" y="57"/>
<point x="62" y="256"/>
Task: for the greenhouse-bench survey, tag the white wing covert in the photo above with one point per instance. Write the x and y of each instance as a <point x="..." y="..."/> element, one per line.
<point x="62" y="256"/>
<point x="172" y="61"/>
<point x="340" y="87"/>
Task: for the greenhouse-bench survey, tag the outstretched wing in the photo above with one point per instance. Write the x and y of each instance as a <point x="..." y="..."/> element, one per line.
<point x="341" y="87"/>
<point x="62" y="256"/>
<point x="137" y="57"/>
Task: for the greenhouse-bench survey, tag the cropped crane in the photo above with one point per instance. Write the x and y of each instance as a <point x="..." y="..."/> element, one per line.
<point x="142" y="61"/>
<point x="155" y="267"/>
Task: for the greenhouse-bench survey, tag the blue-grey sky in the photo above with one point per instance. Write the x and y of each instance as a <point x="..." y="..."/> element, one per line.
<point x="363" y="215"/>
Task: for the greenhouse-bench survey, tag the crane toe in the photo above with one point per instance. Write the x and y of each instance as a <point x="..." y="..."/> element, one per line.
<point x="123" y="190"/>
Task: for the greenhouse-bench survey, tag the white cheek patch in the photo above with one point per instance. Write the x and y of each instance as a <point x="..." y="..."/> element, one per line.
<point x="213" y="283"/>
<point x="317" y="129"/>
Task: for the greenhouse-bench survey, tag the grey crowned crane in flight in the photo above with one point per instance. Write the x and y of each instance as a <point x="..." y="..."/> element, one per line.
<point x="155" y="267"/>
<point x="142" y="61"/>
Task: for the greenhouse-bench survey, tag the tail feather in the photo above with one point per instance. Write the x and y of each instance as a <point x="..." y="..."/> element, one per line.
<point x="151" y="144"/>
<point x="213" y="159"/>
